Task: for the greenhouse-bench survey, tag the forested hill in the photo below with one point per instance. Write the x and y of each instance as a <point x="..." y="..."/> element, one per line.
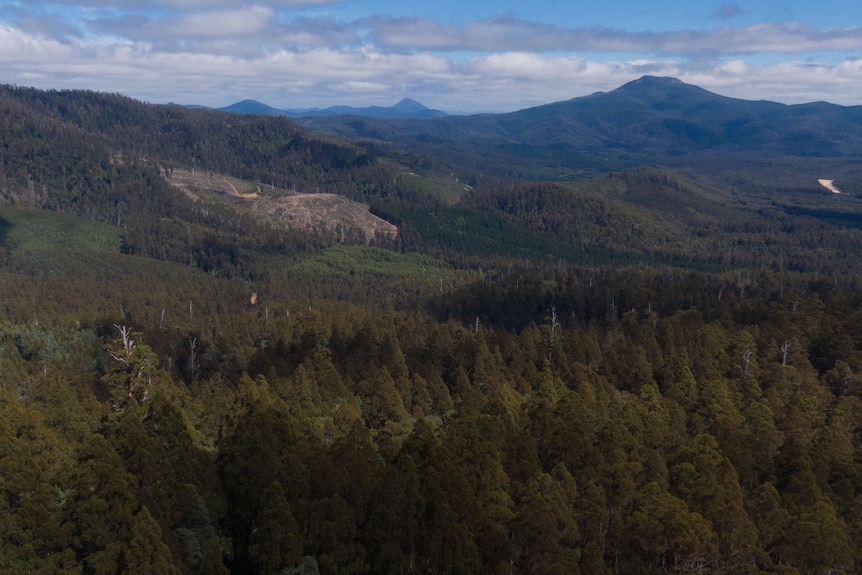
<point x="56" y="135"/>
<point x="645" y="122"/>
<point x="109" y="158"/>
<point x="650" y="371"/>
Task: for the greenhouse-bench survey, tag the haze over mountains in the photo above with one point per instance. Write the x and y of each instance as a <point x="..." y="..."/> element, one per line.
<point x="406" y="108"/>
<point x="650" y="120"/>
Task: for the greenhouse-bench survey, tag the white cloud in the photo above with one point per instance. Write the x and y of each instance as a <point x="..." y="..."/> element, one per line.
<point x="180" y="32"/>
<point x="221" y="23"/>
<point x="315" y="32"/>
<point x="526" y="65"/>
<point x="512" y="34"/>
<point x="233" y="50"/>
<point x="793" y="82"/>
<point x="19" y="48"/>
<point x="734" y="68"/>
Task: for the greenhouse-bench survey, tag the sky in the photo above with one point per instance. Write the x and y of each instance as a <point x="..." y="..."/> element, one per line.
<point x="458" y="56"/>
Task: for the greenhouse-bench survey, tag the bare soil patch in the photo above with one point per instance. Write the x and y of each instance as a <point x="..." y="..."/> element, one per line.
<point x="328" y="213"/>
<point x="829" y="185"/>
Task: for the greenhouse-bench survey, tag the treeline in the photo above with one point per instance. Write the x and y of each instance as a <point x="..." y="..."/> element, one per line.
<point x="109" y="158"/>
<point x="540" y="420"/>
<point x="651" y="215"/>
<point x="55" y="138"/>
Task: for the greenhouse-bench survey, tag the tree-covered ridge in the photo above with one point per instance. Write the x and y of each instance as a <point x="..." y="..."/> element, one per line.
<point x="110" y="159"/>
<point x="650" y="121"/>
<point x="645" y="372"/>
<point x="55" y="138"/>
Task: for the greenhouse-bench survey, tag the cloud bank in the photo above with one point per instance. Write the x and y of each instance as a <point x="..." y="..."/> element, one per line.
<point x="299" y="53"/>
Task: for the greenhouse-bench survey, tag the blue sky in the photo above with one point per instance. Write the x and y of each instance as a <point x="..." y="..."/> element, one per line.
<point x="467" y="56"/>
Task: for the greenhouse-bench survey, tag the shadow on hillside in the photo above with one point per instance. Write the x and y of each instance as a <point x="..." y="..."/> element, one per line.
<point x="5" y="226"/>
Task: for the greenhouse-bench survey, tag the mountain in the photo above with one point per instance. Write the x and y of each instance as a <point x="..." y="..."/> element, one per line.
<point x="213" y="362"/>
<point x="649" y="120"/>
<point x="255" y="108"/>
<point x="665" y="114"/>
<point x="405" y="109"/>
<point x="111" y="159"/>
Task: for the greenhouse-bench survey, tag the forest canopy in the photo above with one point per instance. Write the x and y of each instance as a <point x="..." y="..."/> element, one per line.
<point x="646" y="372"/>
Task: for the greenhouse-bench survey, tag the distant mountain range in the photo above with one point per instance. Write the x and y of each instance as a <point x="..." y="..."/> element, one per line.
<point x="699" y="159"/>
<point x="405" y="109"/>
<point x="650" y="120"/>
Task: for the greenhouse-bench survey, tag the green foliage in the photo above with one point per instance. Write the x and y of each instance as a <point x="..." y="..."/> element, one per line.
<point x="670" y="536"/>
<point x="466" y="398"/>
<point x="131" y="380"/>
<point x="28" y="230"/>
<point x="340" y="261"/>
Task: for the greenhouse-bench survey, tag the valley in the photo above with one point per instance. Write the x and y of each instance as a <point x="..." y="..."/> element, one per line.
<point x="615" y="334"/>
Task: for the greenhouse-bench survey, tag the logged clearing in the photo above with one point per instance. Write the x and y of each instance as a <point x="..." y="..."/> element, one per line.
<point x="195" y="182"/>
<point x="829" y="185"/>
<point x="325" y="212"/>
<point x="312" y="212"/>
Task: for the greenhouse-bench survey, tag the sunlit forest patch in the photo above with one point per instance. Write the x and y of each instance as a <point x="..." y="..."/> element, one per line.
<point x="30" y="230"/>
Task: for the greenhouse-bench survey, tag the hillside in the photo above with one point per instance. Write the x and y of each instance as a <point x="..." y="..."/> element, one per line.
<point x="310" y="213"/>
<point x="218" y="355"/>
<point x="648" y="121"/>
<point x="66" y="154"/>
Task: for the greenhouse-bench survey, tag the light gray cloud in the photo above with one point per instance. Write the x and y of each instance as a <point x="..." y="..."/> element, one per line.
<point x="512" y="34"/>
<point x="324" y="76"/>
<point x="250" y="21"/>
<point x="265" y="25"/>
<point x="318" y="32"/>
<point x="192" y="4"/>
<point x="230" y="50"/>
<point x="248" y="29"/>
<point x="728" y="11"/>
<point x="141" y="5"/>
<point x="49" y="27"/>
<point x="223" y="23"/>
<point x="227" y="31"/>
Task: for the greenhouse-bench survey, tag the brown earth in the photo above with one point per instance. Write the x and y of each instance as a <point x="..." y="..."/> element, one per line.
<point x="312" y="212"/>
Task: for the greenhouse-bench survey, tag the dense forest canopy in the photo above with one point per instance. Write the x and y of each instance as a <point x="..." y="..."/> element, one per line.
<point x="647" y="371"/>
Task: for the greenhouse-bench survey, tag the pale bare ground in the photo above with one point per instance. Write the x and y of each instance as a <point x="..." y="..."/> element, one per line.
<point x="829" y="185"/>
<point x="189" y="181"/>
<point x="318" y="212"/>
<point x="329" y="212"/>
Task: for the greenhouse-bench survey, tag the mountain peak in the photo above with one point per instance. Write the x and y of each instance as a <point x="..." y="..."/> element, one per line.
<point x="409" y="104"/>
<point x="253" y="107"/>
<point x="658" y="81"/>
<point x="406" y="108"/>
<point x="655" y="83"/>
<point x="663" y="89"/>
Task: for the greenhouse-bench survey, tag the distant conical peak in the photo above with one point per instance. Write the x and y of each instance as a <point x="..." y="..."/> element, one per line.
<point x="654" y="81"/>
<point x="659" y="80"/>
<point x="408" y="102"/>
